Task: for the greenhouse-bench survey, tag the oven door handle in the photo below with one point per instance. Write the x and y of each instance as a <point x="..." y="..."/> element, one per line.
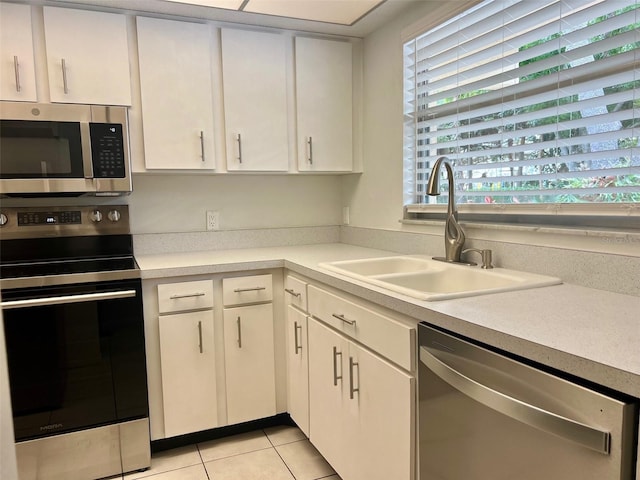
<point x="86" y="297"/>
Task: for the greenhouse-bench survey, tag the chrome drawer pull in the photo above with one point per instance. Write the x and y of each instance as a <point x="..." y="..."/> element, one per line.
<point x="239" y="322"/>
<point x="295" y="335"/>
<point x="65" y="85"/>
<point x="187" y="295"/>
<point x="335" y="366"/>
<point x="252" y="289"/>
<point x="202" y="145"/>
<point x="310" y="150"/>
<point x="352" y="389"/>
<point x="239" y="140"/>
<point x="341" y="317"/>
<point x="290" y="291"/>
<point x="16" y="67"/>
<point x="200" y="336"/>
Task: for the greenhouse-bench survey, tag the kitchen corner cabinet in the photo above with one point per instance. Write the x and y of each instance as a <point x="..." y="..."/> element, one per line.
<point x="361" y="404"/>
<point x="177" y="101"/>
<point x="17" y="71"/>
<point x="297" y="353"/>
<point x="255" y="100"/>
<point x="187" y="355"/>
<point x="249" y="348"/>
<point x="324" y="100"/>
<point x="87" y="56"/>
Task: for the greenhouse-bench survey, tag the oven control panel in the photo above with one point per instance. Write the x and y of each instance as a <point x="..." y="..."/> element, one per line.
<point x="50" y="218"/>
<point x="33" y="222"/>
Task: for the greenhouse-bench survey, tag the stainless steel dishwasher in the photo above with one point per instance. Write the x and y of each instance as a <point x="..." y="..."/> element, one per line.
<point x="486" y="416"/>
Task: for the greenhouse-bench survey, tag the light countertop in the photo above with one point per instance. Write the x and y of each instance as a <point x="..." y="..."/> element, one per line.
<point x="586" y="332"/>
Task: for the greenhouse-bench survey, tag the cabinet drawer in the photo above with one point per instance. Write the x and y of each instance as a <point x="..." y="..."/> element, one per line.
<point x="245" y="290"/>
<point x="295" y="292"/>
<point x="382" y="334"/>
<point x="178" y="297"/>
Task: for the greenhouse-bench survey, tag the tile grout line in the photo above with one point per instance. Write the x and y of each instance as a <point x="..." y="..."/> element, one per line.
<point x="206" y="472"/>
<point x="280" y="456"/>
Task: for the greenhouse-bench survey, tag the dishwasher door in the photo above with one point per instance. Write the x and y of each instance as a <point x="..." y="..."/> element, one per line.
<point x="485" y="416"/>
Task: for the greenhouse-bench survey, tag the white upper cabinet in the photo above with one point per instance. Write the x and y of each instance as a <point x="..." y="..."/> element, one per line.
<point x="176" y="86"/>
<point x="17" y="70"/>
<point x="324" y="104"/>
<point x="87" y="57"/>
<point x="255" y="100"/>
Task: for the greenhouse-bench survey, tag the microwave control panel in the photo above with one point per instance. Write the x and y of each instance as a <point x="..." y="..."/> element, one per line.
<point x="107" y="150"/>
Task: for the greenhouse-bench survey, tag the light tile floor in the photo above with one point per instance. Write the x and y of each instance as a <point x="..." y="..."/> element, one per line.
<point x="275" y="453"/>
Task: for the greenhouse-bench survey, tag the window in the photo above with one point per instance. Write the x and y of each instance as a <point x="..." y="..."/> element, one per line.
<point x="533" y="103"/>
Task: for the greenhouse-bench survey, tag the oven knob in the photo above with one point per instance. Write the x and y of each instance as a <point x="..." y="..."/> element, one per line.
<point x="3" y="220"/>
<point x="114" y="215"/>
<point x="96" y="216"/>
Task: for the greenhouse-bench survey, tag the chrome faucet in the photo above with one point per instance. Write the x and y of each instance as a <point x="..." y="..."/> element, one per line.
<point x="453" y="234"/>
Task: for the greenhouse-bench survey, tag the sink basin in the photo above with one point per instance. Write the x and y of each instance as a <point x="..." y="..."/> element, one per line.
<point x="427" y="279"/>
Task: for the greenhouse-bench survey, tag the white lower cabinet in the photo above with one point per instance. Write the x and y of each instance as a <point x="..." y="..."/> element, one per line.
<point x="188" y="366"/>
<point x="362" y="404"/>
<point x="187" y="357"/>
<point x="249" y="363"/>
<point x="361" y="408"/>
<point x="297" y="368"/>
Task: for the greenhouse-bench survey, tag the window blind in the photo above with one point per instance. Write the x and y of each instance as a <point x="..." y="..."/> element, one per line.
<point x="532" y="102"/>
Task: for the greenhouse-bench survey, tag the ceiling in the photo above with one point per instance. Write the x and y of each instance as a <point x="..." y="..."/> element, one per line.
<point x="342" y="12"/>
<point x="355" y="18"/>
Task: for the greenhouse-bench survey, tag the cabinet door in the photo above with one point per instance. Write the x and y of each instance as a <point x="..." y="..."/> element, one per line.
<point x="328" y="397"/>
<point x="187" y="359"/>
<point x="249" y="363"/>
<point x="324" y="104"/>
<point x="382" y="416"/>
<point x="255" y="100"/>
<point x="17" y="70"/>
<point x="87" y="57"/>
<point x="297" y="368"/>
<point x="176" y="86"/>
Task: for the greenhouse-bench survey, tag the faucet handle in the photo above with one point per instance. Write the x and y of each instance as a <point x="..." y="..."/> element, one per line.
<point x="486" y="256"/>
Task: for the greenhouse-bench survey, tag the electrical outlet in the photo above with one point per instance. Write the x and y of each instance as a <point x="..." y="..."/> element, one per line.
<point x="345" y="215"/>
<point x="213" y="220"/>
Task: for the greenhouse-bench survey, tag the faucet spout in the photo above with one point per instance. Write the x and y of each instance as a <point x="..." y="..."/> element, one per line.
<point x="453" y="235"/>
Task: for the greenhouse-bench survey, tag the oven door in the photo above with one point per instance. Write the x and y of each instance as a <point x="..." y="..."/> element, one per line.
<point x="76" y="356"/>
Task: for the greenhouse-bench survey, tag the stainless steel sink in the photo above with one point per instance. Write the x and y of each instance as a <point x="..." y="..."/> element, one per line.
<point x="426" y="279"/>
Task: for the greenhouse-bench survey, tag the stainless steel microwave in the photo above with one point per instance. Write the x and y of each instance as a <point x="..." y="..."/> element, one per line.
<point x="63" y="150"/>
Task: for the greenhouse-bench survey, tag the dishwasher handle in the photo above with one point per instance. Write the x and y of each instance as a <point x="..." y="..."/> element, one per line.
<point x="536" y="417"/>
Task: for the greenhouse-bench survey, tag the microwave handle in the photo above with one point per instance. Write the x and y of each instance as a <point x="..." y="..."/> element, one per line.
<point x="87" y="158"/>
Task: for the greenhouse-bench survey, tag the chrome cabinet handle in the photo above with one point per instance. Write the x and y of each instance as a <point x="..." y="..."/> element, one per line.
<point x="239" y="140"/>
<point x="296" y="327"/>
<point x="252" y="289"/>
<point x="353" y="389"/>
<point x="536" y="417"/>
<point x="65" y="85"/>
<point x="292" y="292"/>
<point x="310" y="150"/>
<point x="200" y="336"/>
<point x="187" y="295"/>
<point x="342" y="318"/>
<point x="87" y="297"/>
<point x="16" y="67"/>
<point x="239" y="323"/>
<point x="335" y="366"/>
<point x="202" y="145"/>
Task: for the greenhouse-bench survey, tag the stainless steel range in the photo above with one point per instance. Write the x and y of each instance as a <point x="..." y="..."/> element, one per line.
<point x="74" y="331"/>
